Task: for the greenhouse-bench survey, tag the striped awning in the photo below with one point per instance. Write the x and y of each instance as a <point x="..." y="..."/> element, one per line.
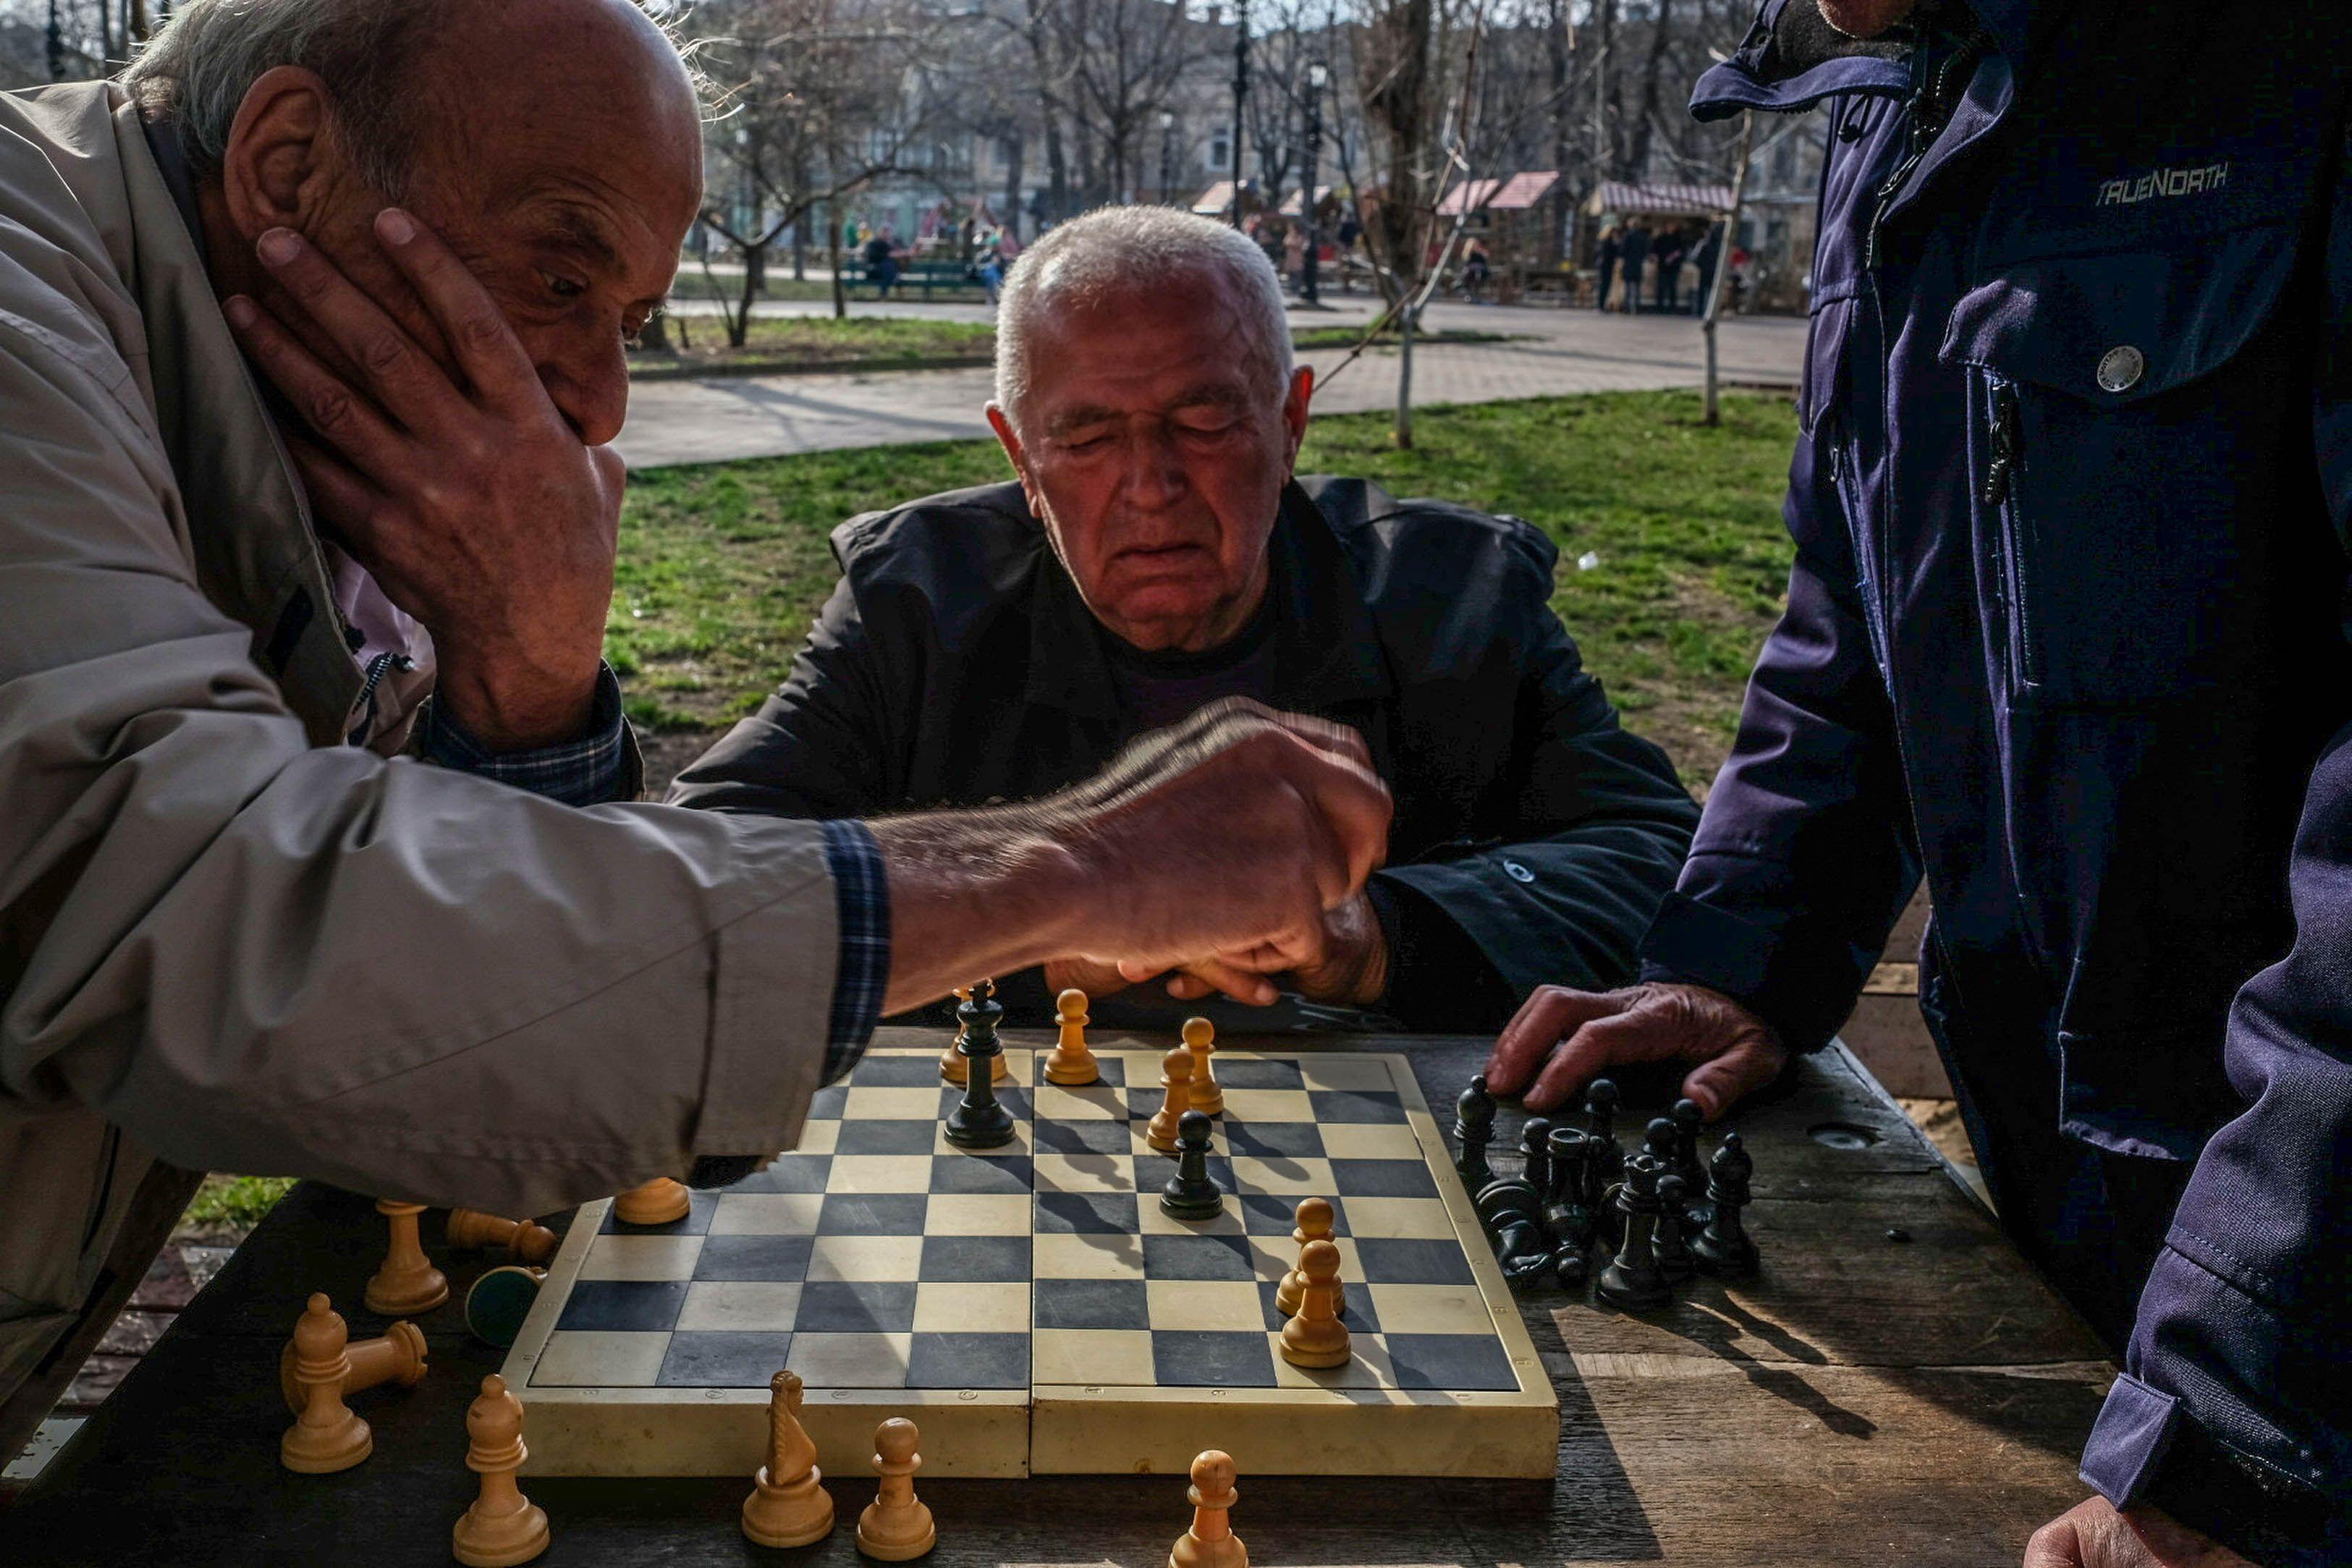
<point x="1521" y="191"/>
<point x="1661" y="201"/>
<point x="1216" y="201"/>
<point x="1467" y="197"/>
<point x="1290" y="202"/>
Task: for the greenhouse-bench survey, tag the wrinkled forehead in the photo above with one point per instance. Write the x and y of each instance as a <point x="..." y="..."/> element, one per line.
<point x="1148" y="345"/>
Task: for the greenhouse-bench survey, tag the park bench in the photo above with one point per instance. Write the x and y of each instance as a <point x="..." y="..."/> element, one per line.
<point x="929" y="275"/>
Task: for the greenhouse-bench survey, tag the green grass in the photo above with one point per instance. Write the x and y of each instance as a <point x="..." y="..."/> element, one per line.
<point x="233" y="1203"/>
<point x="723" y="565"/>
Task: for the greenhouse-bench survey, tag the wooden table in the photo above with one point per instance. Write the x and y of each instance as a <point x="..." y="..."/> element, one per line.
<point x="1868" y="1399"/>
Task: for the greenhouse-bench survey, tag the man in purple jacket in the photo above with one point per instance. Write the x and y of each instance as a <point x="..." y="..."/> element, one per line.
<point x="2065" y="633"/>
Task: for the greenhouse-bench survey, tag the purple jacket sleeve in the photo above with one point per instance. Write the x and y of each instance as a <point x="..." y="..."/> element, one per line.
<point x="1802" y="861"/>
<point x="2237" y="1405"/>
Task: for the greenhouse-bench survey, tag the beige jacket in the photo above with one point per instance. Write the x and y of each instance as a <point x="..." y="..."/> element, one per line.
<point x="228" y="939"/>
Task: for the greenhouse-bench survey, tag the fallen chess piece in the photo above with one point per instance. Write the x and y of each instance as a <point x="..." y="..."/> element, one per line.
<point x="525" y="1240"/>
<point x="1724" y="1248"/>
<point x="407" y="1285"/>
<point x="397" y="1356"/>
<point x="498" y="1302"/>
<point x="326" y="1435"/>
<point x="660" y="1201"/>
<point x="896" y="1526"/>
<point x="1200" y="1040"/>
<point x="789" y="1505"/>
<point x="1513" y="1216"/>
<point x="502" y="1527"/>
<point x="1191" y="1193"/>
<point x="1070" y="1063"/>
<point x="1314" y="1336"/>
<point x="1211" y="1543"/>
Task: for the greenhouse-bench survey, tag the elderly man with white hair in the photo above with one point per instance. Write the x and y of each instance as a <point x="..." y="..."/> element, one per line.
<point x="1157" y="554"/>
<point x="317" y="854"/>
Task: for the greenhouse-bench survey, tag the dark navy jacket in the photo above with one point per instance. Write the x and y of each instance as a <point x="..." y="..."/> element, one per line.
<point x="2066" y="631"/>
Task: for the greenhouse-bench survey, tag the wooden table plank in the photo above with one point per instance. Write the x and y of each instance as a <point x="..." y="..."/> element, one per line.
<point x="1862" y="1402"/>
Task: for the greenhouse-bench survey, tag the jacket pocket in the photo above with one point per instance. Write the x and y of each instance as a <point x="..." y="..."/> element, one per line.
<point x="2135" y="420"/>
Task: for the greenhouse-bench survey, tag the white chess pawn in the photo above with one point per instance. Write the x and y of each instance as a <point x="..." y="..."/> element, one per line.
<point x="789" y="1505"/>
<point x="896" y="1526"/>
<point x="1316" y="1219"/>
<point x="407" y="1285"/>
<point x="503" y="1526"/>
<point x="1070" y="1063"/>
<point x="1176" y="1079"/>
<point x="1211" y="1543"/>
<point x="1315" y="1336"/>
<point x="1200" y="1040"/>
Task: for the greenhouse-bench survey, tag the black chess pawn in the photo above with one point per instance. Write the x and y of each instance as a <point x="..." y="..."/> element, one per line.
<point x="1658" y="1142"/>
<point x="1191" y="1193"/>
<point x="980" y="1120"/>
<point x="1724" y="1247"/>
<point x="1474" y="1128"/>
<point x="1689" y="1120"/>
<point x="1666" y="1244"/>
<point x="1536" y="1149"/>
<point x="1633" y="1282"/>
<point x="1605" y="1162"/>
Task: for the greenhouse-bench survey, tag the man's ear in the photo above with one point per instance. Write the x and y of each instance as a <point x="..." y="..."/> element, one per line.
<point x="1008" y="438"/>
<point x="1294" y="409"/>
<point x="277" y="166"/>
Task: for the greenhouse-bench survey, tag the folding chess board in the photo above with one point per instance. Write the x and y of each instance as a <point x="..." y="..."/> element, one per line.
<point x="1032" y="1308"/>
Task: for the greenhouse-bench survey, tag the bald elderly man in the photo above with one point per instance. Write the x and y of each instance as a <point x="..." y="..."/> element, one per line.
<point x="1156" y="553"/>
<point x="316" y="851"/>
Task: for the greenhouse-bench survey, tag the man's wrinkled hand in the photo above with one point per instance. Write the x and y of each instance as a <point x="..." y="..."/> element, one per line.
<point x="1561" y="1040"/>
<point x="2094" y="1534"/>
<point x="1349" y="966"/>
<point x="461" y="489"/>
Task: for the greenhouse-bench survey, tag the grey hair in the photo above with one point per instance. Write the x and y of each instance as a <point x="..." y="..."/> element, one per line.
<point x="1117" y="252"/>
<point x="197" y="68"/>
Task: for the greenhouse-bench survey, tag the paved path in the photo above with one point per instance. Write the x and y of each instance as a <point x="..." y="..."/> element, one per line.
<point x="1551" y="352"/>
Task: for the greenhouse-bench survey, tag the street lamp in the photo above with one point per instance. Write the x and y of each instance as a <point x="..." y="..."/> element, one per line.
<point x="1167" y="156"/>
<point x="1317" y="77"/>
<point x="1241" y="96"/>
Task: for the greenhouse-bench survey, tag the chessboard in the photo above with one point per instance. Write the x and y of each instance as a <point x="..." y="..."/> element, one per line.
<point x="1032" y="1308"/>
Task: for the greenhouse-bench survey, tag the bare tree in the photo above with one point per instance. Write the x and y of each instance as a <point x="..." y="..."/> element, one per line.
<point x="1125" y="59"/>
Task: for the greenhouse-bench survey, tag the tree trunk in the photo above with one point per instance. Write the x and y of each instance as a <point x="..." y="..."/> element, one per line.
<point x="738" y="326"/>
<point x="1407" y="320"/>
<point x="1723" y="261"/>
<point x="1012" y="218"/>
<point x="1562" y="193"/>
<point x="833" y="254"/>
<point x="1638" y="161"/>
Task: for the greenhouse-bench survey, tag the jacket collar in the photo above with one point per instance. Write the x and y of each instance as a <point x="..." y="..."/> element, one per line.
<point x="1326" y="650"/>
<point x="1791" y="60"/>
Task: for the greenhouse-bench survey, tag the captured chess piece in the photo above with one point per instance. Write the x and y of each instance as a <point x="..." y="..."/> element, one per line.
<point x="1474" y="1127"/>
<point x="407" y="1285"/>
<point x="1723" y="1247"/>
<point x="500" y="1299"/>
<point x="526" y="1240"/>
<point x="660" y="1201"/>
<point x="1688" y="1119"/>
<point x="1633" y="1282"/>
<point x="1176" y="1084"/>
<point x="1564" y="1215"/>
<point x="980" y="1120"/>
<point x="1070" y="1063"/>
<point x="326" y="1435"/>
<point x="1658" y="1143"/>
<point x="1512" y="1214"/>
<point x="896" y="1526"/>
<point x="1608" y="1161"/>
<point x="953" y="1061"/>
<point x="1191" y="1193"/>
<point x="1314" y="1336"/>
<point x="503" y="1526"/>
<point x="1211" y="1543"/>
<point x="396" y="1356"/>
<point x="1316" y="1219"/>
<point x="789" y="1505"/>
<point x="1667" y="1243"/>
<point x="1535" y="1150"/>
<point x="1200" y="1040"/>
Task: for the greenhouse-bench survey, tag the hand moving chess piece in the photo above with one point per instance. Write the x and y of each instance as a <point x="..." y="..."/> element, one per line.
<point x="789" y="1505"/>
<point x="1070" y="1063"/>
<point x="660" y="1201"/>
<point x="896" y="1526"/>
<point x="980" y="1120"/>
<point x="503" y="1526"/>
<point x="1316" y="1219"/>
<point x="1211" y="1543"/>
<point x="526" y="1240"/>
<point x="1724" y="1247"/>
<point x="1315" y="1336"/>
<point x="1192" y="1193"/>
<point x="1176" y="1079"/>
<point x="953" y="1061"/>
<point x="1633" y="1282"/>
<point x="408" y="1284"/>
<point x="1200" y="1040"/>
<point x="396" y="1357"/>
<point x="326" y="1436"/>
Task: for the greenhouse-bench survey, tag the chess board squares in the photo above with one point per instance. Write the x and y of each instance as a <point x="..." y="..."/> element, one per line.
<point x="739" y="1306"/>
<point x="1102" y="1137"/>
<point x="723" y="1360"/>
<point x="1200" y="1257"/>
<point x="1089" y="1173"/>
<point x="742" y="1213"/>
<point x="865" y="1306"/>
<point x="880" y="1173"/>
<point x="1367" y="1367"/>
<point x="1345" y="1073"/>
<point x="1273" y="1140"/>
<point x="1448" y="1361"/>
<point x="797" y="1172"/>
<point x="622" y="1305"/>
<point x="1202" y="1304"/>
<point x="1281" y="1174"/>
<point x="1357" y="1311"/>
<point x="853" y="1257"/>
<point x="1212" y="1358"/>
<point x="1331" y="1106"/>
<point x="1103" y="1303"/>
<point x="600" y="1358"/>
<point x="1240" y="1070"/>
<point x="1424" y="1217"/>
<point x="1021" y="1141"/>
<point x="978" y="1214"/>
<point x="1086" y="1255"/>
<point x="972" y="1307"/>
<point x="1370" y="1141"/>
<point x="1003" y="1173"/>
<point x="768" y="1258"/>
<point x="1383" y="1178"/>
<point x="1103" y="1101"/>
<point x="1120" y="1358"/>
<point x="1272" y="1257"/>
<point x="830" y="1360"/>
<point x="641" y="1257"/>
<point x="968" y="1361"/>
<point x="899" y="1070"/>
<point x="1457" y="1310"/>
<point x="1088" y="1212"/>
<point x="977" y="1259"/>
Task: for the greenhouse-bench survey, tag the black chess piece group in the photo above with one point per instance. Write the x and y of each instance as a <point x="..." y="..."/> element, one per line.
<point x="1658" y="1214"/>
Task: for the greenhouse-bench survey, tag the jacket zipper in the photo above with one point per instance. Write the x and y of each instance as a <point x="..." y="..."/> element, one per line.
<point x="1929" y="110"/>
<point x="363" y="705"/>
<point x="1999" y="494"/>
